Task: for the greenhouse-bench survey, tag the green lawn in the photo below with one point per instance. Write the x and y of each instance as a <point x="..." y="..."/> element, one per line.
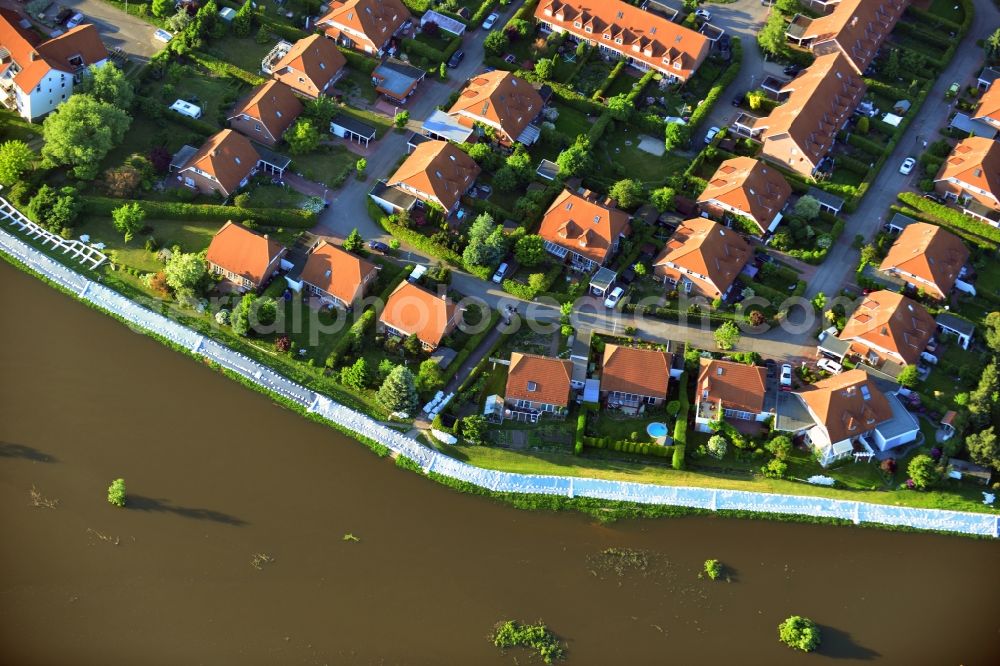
<point x="13" y="126"/>
<point x="275" y="196"/>
<point x="648" y="168"/>
<point x="570" y="121"/>
<point x="191" y="236"/>
<point x="623" y="83"/>
<point x="946" y="9"/>
<point x="147" y="133"/>
<point x="243" y="52"/>
<point x="216" y="95"/>
<point x="357" y="84"/>
<point x="620" y="427"/>
<point x="331" y="165"/>
<point x="591" y="76"/>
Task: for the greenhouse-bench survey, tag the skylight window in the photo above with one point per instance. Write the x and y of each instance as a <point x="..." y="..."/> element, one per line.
<point x="532" y="387"/>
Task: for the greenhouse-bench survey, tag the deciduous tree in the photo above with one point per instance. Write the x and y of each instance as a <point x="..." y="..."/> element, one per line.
<point x="496" y="43"/>
<point x="923" y="471"/>
<point x="356" y="376"/>
<point x="128" y="219"/>
<point x="575" y="159"/>
<point x="529" y="250"/>
<point x="15" y="159"/>
<point x="162" y="8"/>
<point x="116" y="493"/>
<point x="108" y="84"/>
<point x="727" y="335"/>
<point x="80" y="132"/>
<point x="184" y="273"/>
<point x="663" y="198"/>
<point x="807" y="207"/>
<point x="627" y="193"/>
<point x="771" y="38"/>
<point x="303" y="137"/>
<point x="676" y="136"/>
<point x="545" y="67"/>
<point x="354" y="242"/>
<point x="799" y="633"/>
<point x="984" y="449"/>
<point x="429" y="377"/>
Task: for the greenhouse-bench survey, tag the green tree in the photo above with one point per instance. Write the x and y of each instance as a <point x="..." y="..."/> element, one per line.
<point x="184" y="272"/>
<point x="627" y="193"/>
<point x="717" y="446"/>
<point x="303" y="137"/>
<point x="360" y="167"/>
<point x="756" y="98"/>
<point x="519" y="162"/>
<point x="991" y="331"/>
<point x="162" y="8"/>
<point x="401" y="119"/>
<point x="983" y="400"/>
<point x="923" y="471"/>
<point x="529" y="250"/>
<point x="486" y="243"/>
<point x="771" y="38"/>
<point x="620" y="107"/>
<point x="663" y="198"/>
<point x="505" y="180"/>
<point x="518" y="27"/>
<point x="108" y="84"/>
<point x="354" y="242"/>
<point x="398" y="392"/>
<point x="545" y="67"/>
<point x="243" y="21"/>
<point x="869" y="255"/>
<point x="128" y="219"/>
<point x="442" y="71"/>
<point x="640" y="269"/>
<point x="321" y="110"/>
<point x="412" y="345"/>
<point x="54" y="209"/>
<point x="536" y="282"/>
<point x="807" y="207"/>
<point x="116" y="493"/>
<point x="992" y="43"/>
<point x="984" y="449"/>
<point x="356" y="376"/>
<point x="429" y="376"/>
<point x="80" y="132"/>
<point x="909" y="377"/>
<point x="15" y="159"/>
<point x="727" y="335"/>
<point x="484" y="156"/>
<point x="474" y="429"/>
<point x="863" y="125"/>
<point x="240" y="318"/>
<point x="780" y="446"/>
<point x="266" y="310"/>
<point x="676" y="136"/>
<point x="799" y="633"/>
<point x="575" y="159"/>
<point x="496" y="43"/>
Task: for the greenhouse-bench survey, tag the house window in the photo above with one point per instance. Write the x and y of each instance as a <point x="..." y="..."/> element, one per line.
<point x="257" y="127"/>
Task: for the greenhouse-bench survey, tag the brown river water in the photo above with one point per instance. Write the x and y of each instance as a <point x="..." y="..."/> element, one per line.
<point x="217" y="474"/>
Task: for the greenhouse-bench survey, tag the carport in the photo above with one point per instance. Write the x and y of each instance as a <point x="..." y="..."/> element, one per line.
<point x="602" y="281"/>
<point x="346" y="127"/>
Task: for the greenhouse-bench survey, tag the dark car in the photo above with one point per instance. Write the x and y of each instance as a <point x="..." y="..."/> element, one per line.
<point x="772" y="368"/>
<point x="455" y="58"/>
<point x="792" y="70"/>
<point x="378" y="246"/>
<point x="724" y="42"/>
<point x="739" y="99"/>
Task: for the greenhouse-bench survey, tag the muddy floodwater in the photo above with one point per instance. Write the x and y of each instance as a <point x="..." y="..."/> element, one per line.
<point x="232" y="549"/>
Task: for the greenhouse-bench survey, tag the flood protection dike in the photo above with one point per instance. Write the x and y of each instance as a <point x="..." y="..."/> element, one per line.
<point x="430" y="460"/>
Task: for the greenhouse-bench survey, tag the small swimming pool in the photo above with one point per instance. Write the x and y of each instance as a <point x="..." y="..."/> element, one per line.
<point x="656" y="430"/>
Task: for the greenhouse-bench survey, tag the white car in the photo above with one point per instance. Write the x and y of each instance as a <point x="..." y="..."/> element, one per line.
<point x="162" y="36"/>
<point x="501" y="272"/>
<point x="703" y="14"/>
<point x="786" y="377"/>
<point x="490" y="21"/>
<point x="612" y="300"/>
<point x="907" y="166"/>
<point x="74" y="21"/>
<point x="711" y="134"/>
<point x="829" y="365"/>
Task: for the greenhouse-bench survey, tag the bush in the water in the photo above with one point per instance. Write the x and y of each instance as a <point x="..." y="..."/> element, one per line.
<point x="116" y="492"/>
<point x="713" y="569"/>
<point x="536" y="636"/>
<point x="799" y="633"/>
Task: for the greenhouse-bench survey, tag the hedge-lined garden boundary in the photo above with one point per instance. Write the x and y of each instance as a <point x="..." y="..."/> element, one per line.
<point x="173" y="210"/>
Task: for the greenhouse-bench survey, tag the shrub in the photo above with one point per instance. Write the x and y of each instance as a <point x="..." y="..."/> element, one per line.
<point x="713" y="569"/>
<point x="116" y="492"/>
<point x="799" y="633"/>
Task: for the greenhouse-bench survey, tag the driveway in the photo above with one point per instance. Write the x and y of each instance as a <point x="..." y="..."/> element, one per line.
<point x="118" y="29"/>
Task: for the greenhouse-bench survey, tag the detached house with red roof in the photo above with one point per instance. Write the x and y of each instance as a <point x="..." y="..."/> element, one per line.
<point x="728" y="390"/>
<point x="310" y="66"/>
<point x="620" y="30"/>
<point x="364" y="25"/>
<point x="436" y="172"/>
<point x="988" y="110"/>
<point x="223" y="164"/>
<point x="37" y="76"/>
<point x="500" y="100"/>
<point x="632" y="378"/>
<point x="928" y="258"/>
<point x="337" y="276"/>
<point x="266" y="113"/>
<point x="888" y="327"/>
<point x="539" y="384"/>
<point x="413" y="310"/>
<point x="702" y="258"/>
<point x="583" y="232"/>
<point x="745" y="187"/>
<point x="971" y="177"/>
<point x="244" y="257"/>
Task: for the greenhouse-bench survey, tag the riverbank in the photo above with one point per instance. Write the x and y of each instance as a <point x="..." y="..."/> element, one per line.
<point x="606" y="492"/>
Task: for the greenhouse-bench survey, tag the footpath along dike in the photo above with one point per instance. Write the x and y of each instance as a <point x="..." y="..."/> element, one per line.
<point x="431" y="461"/>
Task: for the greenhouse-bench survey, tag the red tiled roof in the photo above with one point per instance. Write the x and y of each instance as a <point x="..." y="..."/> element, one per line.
<point x="892" y="322"/>
<point x="706" y="253"/>
<point x="737" y="385"/>
<point x="273" y="105"/>
<point x="928" y="252"/>
<point x="337" y="272"/>
<point x="411" y="309"/>
<point x="539" y="379"/>
<point x="632" y="370"/>
<point x="243" y="252"/>
<point x="228" y="156"/>
<point x="583" y="225"/>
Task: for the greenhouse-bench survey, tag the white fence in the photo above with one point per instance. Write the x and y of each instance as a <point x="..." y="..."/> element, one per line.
<point x="986" y="524"/>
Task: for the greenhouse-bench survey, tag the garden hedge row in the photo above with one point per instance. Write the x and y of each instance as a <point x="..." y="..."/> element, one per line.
<point x="728" y="76"/>
<point x="417" y="48"/>
<point x="353" y="335"/>
<point x="949" y="217"/>
<point x="615" y="71"/>
<point x="681" y="425"/>
<point x="626" y="446"/>
<point x="470" y="346"/>
<point x="223" y="68"/>
<point x="173" y="210"/>
<point x="414" y="238"/>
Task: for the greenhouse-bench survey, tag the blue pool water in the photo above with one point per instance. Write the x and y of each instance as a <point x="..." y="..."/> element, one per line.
<point x="657" y="429"/>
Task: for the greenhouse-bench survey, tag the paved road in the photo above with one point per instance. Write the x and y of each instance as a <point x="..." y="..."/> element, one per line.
<point x="118" y="29"/>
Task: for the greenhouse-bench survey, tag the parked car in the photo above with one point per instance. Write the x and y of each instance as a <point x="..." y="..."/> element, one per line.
<point x="772" y="368"/>
<point x="952" y="90"/>
<point x="378" y="246"/>
<point x="792" y="70"/>
<point x="455" y="59"/>
<point x="829" y="365"/>
<point x="906" y="168"/>
<point x="786" y="377"/>
<point x="501" y="273"/>
<point x="739" y="99"/>
<point x="711" y="134"/>
<point x="612" y="300"/>
<point x="63" y="15"/>
<point x="76" y="20"/>
<point x="490" y="21"/>
<point x="703" y="14"/>
<point x="162" y="35"/>
<point x="933" y="197"/>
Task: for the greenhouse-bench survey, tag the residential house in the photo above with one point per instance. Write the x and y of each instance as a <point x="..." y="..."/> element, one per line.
<point x="633" y="377"/>
<point x="502" y="101"/>
<point x="928" y="258"/>
<point x="971" y="177"/>
<point x="888" y="327"/>
<point x="702" y="258"/>
<point x="245" y="258"/>
<point x="364" y="25"/>
<point x="855" y="28"/>
<point x="436" y="172"/>
<point x="223" y="164"/>
<point x="850" y="413"/>
<point x="337" y="276"/>
<point x="578" y="229"/>
<point x="728" y="390"/>
<point x="266" y="113"/>
<point x="799" y="133"/>
<point x="414" y="310"/>
<point x="396" y="80"/>
<point x="745" y="187"/>
<point x="37" y="76"/>
<point x="538" y="383"/>
<point x="620" y="30"/>
<point x="988" y="110"/>
<point x="310" y="66"/>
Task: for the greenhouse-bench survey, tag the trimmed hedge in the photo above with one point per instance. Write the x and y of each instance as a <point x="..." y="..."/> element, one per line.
<point x="414" y="238"/>
<point x="353" y="335"/>
<point x="615" y="71"/>
<point x="681" y="425"/>
<point x="173" y="210"/>
<point x="358" y="61"/>
<point x="470" y="347"/>
<point x="223" y="68"/>
<point x="949" y="217"/>
<point x="728" y="76"/>
<point x="414" y="47"/>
